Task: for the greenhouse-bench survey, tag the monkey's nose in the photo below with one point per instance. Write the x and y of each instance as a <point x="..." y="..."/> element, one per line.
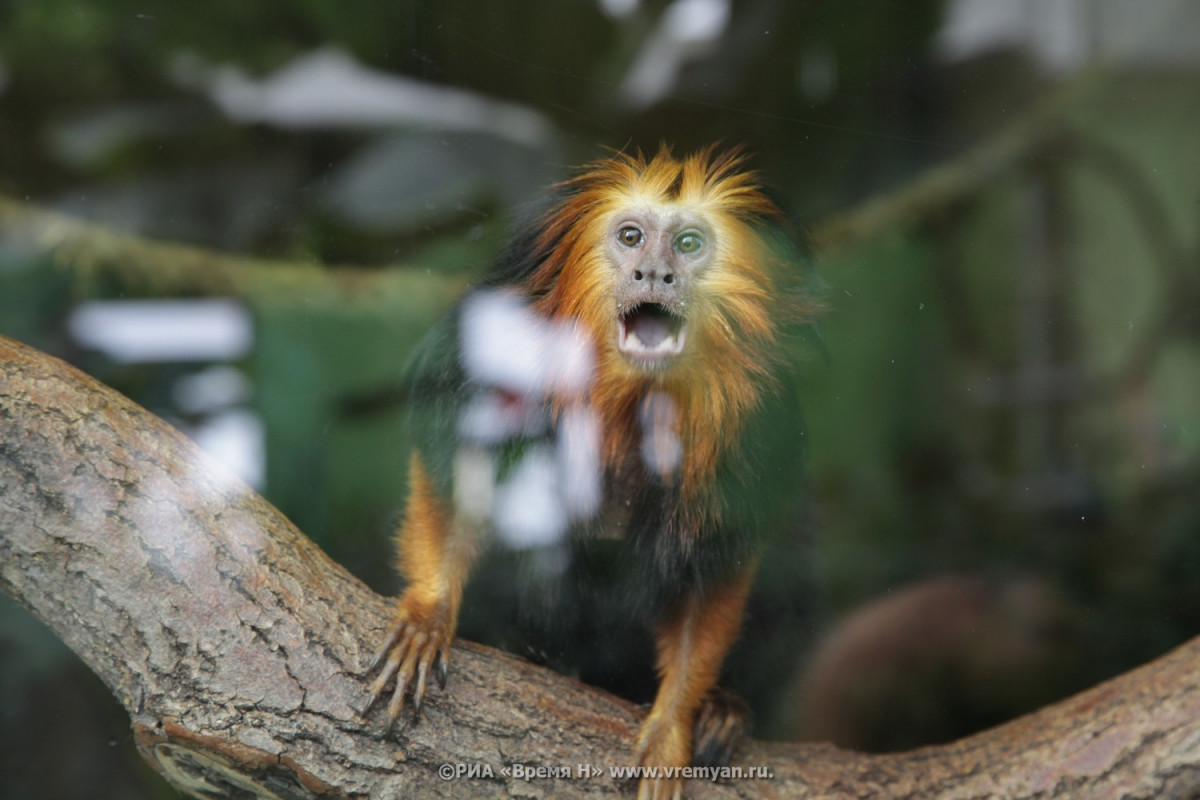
<point x="652" y="275"/>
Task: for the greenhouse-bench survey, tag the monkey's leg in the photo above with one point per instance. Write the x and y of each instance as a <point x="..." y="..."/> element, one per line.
<point x="691" y="646"/>
<point x="434" y="556"/>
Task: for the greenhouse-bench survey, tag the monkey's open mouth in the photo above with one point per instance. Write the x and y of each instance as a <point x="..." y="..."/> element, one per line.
<point x="650" y="332"/>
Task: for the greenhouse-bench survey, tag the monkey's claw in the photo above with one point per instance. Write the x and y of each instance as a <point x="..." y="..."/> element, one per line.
<point x="441" y="672"/>
<point x="415" y="644"/>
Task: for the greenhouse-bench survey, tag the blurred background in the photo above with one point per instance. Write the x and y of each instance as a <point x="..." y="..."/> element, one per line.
<point x="243" y="215"/>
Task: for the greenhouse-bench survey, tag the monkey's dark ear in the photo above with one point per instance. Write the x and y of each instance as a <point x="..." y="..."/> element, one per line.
<point x="790" y="241"/>
<point x="790" y="225"/>
<point x="528" y="248"/>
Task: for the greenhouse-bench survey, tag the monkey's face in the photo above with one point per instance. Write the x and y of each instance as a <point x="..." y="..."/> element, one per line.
<point x="657" y="254"/>
<point x="667" y="266"/>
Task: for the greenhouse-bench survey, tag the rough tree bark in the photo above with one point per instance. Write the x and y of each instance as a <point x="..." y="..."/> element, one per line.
<point x="236" y="646"/>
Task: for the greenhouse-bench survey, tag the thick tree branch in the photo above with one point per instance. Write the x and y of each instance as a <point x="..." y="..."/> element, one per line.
<point x="236" y="645"/>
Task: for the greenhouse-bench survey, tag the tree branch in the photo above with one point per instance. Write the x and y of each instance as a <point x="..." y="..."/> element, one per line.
<point x="236" y="646"/>
<point x="91" y="252"/>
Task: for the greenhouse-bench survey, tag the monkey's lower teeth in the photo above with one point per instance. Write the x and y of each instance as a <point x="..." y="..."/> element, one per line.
<point x="650" y="331"/>
<point x="666" y="344"/>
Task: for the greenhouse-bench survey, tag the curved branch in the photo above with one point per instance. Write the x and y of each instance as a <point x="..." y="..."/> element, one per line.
<point x="940" y="188"/>
<point x="236" y="646"/>
<point x="90" y="251"/>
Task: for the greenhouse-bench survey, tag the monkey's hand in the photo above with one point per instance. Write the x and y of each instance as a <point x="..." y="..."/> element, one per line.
<point x="664" y="742"/>
<point x="720" y="725"/>
<point x="417" y="641"/>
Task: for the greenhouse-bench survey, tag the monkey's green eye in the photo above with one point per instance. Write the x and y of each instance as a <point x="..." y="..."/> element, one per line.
<point x="689" y="242"/>
<point x="630" y="236"/>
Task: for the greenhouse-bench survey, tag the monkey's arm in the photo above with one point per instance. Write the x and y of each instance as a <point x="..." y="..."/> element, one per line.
<point x="435" y="553"/>
<point x="691" y="645"/>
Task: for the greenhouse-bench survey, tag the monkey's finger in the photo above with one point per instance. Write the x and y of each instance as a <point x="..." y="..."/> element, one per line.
<point x="422" y="677"/>
<point x="397" y="701"/>
<point x="639" y="754"/>
<point x="442" y="659"/>
<point x="367" y="706"/>
<point x="419" y="695"/>
<point x="376" y="694"/>
<point x="412" y="645"/>
<point x="389" y="640"/>
<point x="731" y="733"/>
<point x="382" y="680"/>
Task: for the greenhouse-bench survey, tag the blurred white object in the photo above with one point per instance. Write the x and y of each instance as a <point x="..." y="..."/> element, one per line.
<point x="174" y="331"/>
<point x="210" y="390"/>
<point x="237" y="439"/>
<point x="529" y="510"/>
<point x="507" y="345"/>
<point x="580" y="463"/>
<point x="521" y="363"/>
<point x="619" y="9"/>
<point x="687" y="30"/>
<point x="1064" y="36"/>
<point x="137" y="331"/>
<point x="661" y="449"/>
<point x="328" y="88"/>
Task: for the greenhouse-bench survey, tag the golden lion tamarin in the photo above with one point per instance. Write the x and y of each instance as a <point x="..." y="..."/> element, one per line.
<point x="613" y="385"/>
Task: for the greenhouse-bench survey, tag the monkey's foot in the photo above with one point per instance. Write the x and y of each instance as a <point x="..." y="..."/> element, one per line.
<point x="664" y="747"/>
<point x="720" y="725"/>
<point x="417" y="643"/>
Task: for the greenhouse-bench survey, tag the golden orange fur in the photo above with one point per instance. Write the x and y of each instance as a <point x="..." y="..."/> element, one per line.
<point x="436" y="564"/>
<point x="734" y="305"/>
<point x="691" y="647"/>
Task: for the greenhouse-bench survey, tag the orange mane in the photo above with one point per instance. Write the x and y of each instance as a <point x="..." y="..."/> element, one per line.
<point x="732" y="309"/>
